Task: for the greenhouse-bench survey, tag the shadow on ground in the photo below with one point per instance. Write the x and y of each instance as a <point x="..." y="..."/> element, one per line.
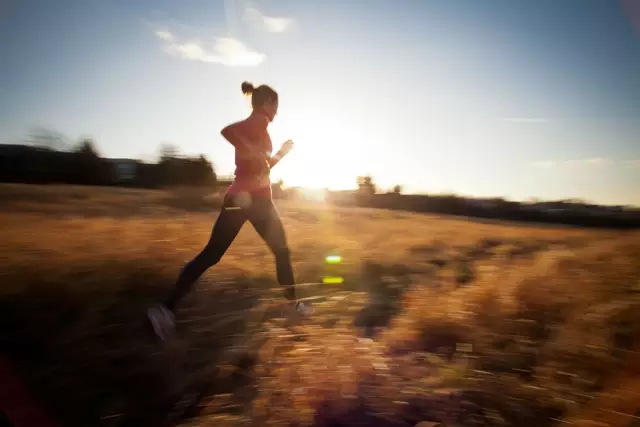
<point x="90" y="357"/>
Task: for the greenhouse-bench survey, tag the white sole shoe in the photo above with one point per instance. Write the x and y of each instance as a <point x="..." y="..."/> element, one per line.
<point x="162" y="321"/>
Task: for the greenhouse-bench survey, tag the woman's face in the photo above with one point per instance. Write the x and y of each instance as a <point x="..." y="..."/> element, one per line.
<point x="271" y="109"/>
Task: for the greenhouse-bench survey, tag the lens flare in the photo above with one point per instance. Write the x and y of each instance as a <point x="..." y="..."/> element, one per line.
<point x="333" y="259"/>
<point x="332" y="277"/>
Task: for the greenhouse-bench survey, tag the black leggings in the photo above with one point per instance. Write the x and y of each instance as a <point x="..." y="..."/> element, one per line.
<point x="264" y="217"/>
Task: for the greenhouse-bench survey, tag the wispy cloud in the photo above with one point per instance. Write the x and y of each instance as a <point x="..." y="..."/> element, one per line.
<point x="277" y="25"/>
<point x="225" y="51"/>
<point x="273" y="24"/>
<point x="526" y="120"/>
<point x="230" y="50"/>
<point x="592" y="161"/>
<point x="545" y="164"/>
<point x="634" y="164"/>
<point x="164" y="35"/>
<point x="588" y="162"/>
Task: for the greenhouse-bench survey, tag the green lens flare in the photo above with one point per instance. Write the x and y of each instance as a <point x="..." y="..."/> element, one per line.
<point x="333" y="259"/>
<point x="332" y="276"/>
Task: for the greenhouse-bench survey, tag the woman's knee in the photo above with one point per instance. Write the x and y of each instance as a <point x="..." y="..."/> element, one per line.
<point x="208" y="257"/>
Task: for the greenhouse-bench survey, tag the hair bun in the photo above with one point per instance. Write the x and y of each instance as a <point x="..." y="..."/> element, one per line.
<point x="247" y="88"/>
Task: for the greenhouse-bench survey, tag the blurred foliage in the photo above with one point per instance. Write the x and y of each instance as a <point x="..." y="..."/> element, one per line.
<point x="46" y="161"/>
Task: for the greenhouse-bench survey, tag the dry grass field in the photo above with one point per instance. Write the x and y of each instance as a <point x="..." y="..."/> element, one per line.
<point x="476" y="323"/>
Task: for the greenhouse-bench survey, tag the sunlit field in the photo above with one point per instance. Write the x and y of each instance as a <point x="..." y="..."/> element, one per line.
<point x="472" y="323"/>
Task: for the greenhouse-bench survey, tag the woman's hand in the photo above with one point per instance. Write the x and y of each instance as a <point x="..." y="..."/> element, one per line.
<point x="283" y="151"/>
<point x="286" y="147"/>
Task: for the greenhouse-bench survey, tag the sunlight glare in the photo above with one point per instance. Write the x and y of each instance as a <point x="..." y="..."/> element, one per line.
<point x="324" y="155"/>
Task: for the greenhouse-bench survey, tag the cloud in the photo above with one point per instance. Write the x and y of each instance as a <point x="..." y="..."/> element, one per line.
<point x="164" y="35"/>
<point x="229" y="51"/>
<point x="634" y="164"/>
<point x="225" y="51"/>
<point x="273" y="24"/>
<point x="545" y="164"/>
<point x="277" y="25"/>
<point x="593" y="161"/>
<point x="529" y="120"/>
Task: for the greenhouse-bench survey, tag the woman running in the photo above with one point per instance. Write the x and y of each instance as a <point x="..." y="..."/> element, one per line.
<point x="247" y="199"/>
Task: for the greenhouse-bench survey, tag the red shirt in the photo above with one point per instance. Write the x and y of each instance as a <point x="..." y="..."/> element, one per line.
<point x="251" y="174"/>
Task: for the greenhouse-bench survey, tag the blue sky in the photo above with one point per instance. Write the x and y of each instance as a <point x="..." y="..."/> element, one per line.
<point x="535" y="98"/>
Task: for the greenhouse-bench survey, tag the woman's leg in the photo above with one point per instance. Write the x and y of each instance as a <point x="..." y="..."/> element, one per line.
<point x="266" y="220"/>
<point x="224" y="231"/>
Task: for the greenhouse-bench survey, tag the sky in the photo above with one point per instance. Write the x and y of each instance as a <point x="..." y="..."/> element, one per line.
<point x="517" y="99"/>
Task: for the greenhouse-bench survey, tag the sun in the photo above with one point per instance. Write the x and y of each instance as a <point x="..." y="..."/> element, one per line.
<point x="322" y="156"/>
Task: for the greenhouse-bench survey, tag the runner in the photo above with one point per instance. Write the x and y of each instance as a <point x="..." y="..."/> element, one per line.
<point x="247" y="199"/>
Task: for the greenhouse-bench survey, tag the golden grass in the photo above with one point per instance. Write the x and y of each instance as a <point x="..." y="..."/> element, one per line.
<point x="485" y="323"/>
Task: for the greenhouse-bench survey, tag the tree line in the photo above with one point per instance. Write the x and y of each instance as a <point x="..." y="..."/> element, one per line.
<point x="46" y="158"/>
<point x="570" y="212"/>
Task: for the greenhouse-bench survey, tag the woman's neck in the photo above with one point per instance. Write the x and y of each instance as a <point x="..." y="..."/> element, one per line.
<point x="259" y="114"/>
